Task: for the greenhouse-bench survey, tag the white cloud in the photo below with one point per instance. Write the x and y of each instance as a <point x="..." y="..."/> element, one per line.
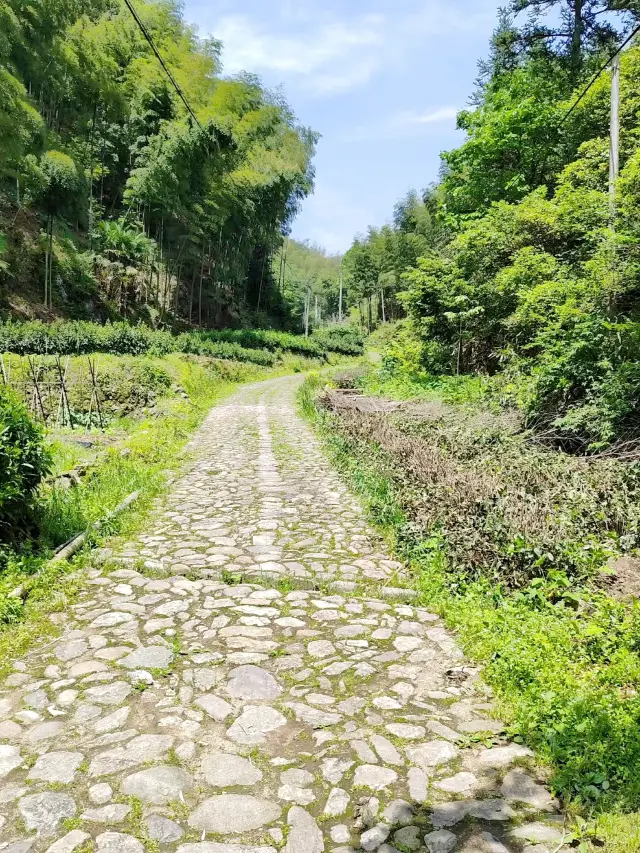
<point x="333" y="56"/>
<point x="433" y="117"/>
<point x="329" y="51"/>
<point x="405" y="124"/>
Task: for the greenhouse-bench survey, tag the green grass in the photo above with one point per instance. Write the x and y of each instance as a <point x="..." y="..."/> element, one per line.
<point x="450" y="389"/>
<point x="566" y="680"/>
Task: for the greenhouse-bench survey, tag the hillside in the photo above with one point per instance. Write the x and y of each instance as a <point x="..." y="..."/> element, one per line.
<point x="115" y="201"/>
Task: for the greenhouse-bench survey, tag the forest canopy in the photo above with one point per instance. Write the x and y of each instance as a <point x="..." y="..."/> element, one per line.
<point x="514" y="264"/>
<point x="110" y="191"/>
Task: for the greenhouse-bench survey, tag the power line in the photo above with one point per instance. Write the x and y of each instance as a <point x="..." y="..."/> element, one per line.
<point x="598" y="74"/>
<point x="174" y="83"/>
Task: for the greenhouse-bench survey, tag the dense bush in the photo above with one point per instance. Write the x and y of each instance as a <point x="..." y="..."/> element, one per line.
<point x="347" y="340"/>
<point x="256" y="346"/>
<point x="79" y="337"/>
<point x="24" y="461"/>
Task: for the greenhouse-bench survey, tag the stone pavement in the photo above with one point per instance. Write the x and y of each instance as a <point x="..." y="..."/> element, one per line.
<point x="249" y="676"/>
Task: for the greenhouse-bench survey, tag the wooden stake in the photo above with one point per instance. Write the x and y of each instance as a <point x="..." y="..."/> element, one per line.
<point x="37" y="389"/>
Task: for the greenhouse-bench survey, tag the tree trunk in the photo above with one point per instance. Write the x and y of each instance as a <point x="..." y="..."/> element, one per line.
<point x="384" y="315"/>
<point x="191" y="295"/>
<point x="576" y="39"/>
<point x="46" y="266"/>
<point x="200" y="289"/>
<point x="51" y="262"/>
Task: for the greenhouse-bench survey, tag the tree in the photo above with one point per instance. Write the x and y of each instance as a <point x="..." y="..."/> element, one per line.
<point x="581" y="29"/>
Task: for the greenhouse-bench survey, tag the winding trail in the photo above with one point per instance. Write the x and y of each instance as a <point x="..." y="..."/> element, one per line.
<point x="249" y="676"/>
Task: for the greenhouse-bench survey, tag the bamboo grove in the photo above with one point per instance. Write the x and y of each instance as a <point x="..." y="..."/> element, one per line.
<point x="113" y="198"/>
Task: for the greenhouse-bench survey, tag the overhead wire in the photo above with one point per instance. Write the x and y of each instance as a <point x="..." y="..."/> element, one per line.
<point x="164" y="65"/>
<point x="598" y="74"/>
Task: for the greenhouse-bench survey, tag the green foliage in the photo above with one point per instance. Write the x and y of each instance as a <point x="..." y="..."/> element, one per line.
<point x="520" y="272"/>
<point x="256" y="346"/>
<point x="346" y="340"/>
<point x="307" y="272"/>
<point x="24" y="461"/>
<point x="183" y="217"/>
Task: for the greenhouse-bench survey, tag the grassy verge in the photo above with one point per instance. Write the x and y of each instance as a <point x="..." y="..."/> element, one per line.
<point x="562" y="657"/>
<point x="146" y="452"/>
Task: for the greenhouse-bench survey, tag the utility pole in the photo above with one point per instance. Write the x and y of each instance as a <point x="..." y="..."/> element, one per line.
<point x="307" y="310"/>
<point x="614" y="171"/>
<point x="340" y="300"/>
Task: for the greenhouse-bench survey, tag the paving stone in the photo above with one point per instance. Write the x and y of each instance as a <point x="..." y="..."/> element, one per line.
<point x="9" y="759"/>
<point x="398" y="813"/>
<point x="314" y="716"/>
<point x="214" y="847"/>
<point x="56" y="767"/>
<point x="518" y="786"/>
<point x="337" y="803"/>
<point x="149" y="657"/>
<point x="374" y="777"/>
<point x="234" y="813"/>
<point x="69" y="842"/>
<point x="215" y="707"/>
<point x="361" y="676"/>
<point x="340" y="834"/>
<point x="408" y="837"/>
<point x="109" y="694"/>
<point x="118" y="842"/>
<point x="163" y="830"/>
<point x="431" y="754"/>
<point x="441" y="841"/>
<point x="224" y="770"/>
<point x="461" y="783"/>
<point x="100" y="794"/>
<point x="374" y="837"/>
<point x="405" y="731"/>
<point x="45" y="812"/>
<point x="254" y="724"/>
<point x="158" y="785"/>
<point x="138" y="751"/>
<point x="110" y="815"/>
<point x="253" y="682"/>
<point x="503" y="756"/>
<point x="538" y="833"/>
<point x="386" y="750"/>
<point x="304" y="833"/>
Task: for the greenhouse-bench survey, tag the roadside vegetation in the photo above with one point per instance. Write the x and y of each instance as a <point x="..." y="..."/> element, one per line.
<point x="264" y="347"/>
<point x="511" y="540"/>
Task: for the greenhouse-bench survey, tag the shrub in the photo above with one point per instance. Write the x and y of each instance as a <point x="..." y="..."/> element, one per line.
<point x="24" y="461"/>
<point x="256" y="346"/>
<point x="346" y="340"/>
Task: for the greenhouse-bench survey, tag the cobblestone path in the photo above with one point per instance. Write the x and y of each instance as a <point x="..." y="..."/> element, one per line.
<point x="248" y="676"/>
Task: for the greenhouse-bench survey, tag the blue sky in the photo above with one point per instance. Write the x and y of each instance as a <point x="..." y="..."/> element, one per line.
<point x="381" y="80"/>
